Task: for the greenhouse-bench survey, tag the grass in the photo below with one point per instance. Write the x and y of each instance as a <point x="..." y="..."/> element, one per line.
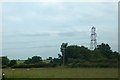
<point x="62" y="73"/>
<point x="46" y="61"/>
<point x="20" y="61"/>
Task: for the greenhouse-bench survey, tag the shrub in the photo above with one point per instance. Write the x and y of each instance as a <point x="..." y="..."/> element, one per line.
<point x="36" y="65"/>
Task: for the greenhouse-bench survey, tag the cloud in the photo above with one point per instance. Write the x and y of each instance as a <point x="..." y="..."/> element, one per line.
<point x="37" y="24"/>
<point x="14" y="18"/>
<point x="0" y="20"/>
<point x="70" y="34"/>
<point x="35" y="34"/>
<point x="61" y="13"/>
<point x="53" y="1"/>
<point x="55" y="34"/>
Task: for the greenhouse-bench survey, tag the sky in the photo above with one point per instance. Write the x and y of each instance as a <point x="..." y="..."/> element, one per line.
<point x="39" y="28"/>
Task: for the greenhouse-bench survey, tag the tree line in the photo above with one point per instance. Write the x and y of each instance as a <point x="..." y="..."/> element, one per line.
<point x="80" y="56"/>
<point x="72" y="56"/>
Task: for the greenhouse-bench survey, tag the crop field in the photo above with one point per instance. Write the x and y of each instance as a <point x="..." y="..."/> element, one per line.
<point x="61" y="73"/>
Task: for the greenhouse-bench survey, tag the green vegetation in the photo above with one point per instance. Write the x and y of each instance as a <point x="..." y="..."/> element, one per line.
<point x="61" y="72"/>
<point x="72" y="56"/>
<point x="74" y="62"/>
<point x="80" y="56"/>
<point x="5" y="61"/>
<point x="46" y="61"/>
<point x="20" y="61"/>
<point x="12" y="63"/>
<point x="33" y="60"/>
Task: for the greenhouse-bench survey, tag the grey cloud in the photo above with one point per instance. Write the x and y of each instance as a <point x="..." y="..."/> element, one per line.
<point x="36" y="34"/>
<point x="69" y="34"/>
<point x="58" y="34"/>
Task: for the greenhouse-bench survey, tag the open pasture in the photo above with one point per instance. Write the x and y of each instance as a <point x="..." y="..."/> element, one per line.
<point x="61" y="73"/>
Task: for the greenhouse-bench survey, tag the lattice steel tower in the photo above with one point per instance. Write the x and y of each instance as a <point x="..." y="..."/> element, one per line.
<point x="93" y="43"/>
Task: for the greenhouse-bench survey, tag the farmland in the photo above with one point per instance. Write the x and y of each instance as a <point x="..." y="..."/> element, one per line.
<point x="61" y="72"/>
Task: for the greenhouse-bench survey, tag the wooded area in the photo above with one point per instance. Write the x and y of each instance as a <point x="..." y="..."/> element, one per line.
<point x="74" y="56"/>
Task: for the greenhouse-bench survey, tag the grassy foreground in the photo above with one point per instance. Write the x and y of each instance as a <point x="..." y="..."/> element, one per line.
<point x="62" y="73"/>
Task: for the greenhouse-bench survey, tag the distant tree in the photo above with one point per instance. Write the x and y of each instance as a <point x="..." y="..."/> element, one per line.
<point x="82" y="56"/>
<point x="50" y="58"/>
<point x="5" y="61"/>
<point x="77" y="52"/>
<point x="51" y="61"/>
<point x="115" y="55"/>
<point x="57" y="61"/>
<point x="63" y="46"/>
<point x="105" y="50"/>
<point x="59" y="56"/>
<point x="28" y="61"/>
<point x="33" y="60"/>
<point x="36" y="59"/>
<point x="63" y="50"/>
<point x="12" y="63"/>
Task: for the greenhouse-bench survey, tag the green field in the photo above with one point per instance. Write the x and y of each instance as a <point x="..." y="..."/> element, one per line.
<point x="62" y="73"/>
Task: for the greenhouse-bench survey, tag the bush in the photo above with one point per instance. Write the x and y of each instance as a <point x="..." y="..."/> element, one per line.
<point x="92" y="64"/>
<point x="12" y="63"/>
<point x="37" y="65"/>
<point x="4" y="66"/>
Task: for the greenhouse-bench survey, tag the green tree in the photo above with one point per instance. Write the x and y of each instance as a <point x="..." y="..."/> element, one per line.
<point x="57" y="61"/>
<point x="77" y="52"/>
<point x="12" y="63"/>
<point x="36" y="59"/>
<point x="63" y="51"/>
<point x="5" y="61"/>
<point x="82" y="56"/>
<point x="105" y="50"/>
<point x="50" y="58"/>
<point x="33" y="60"/>
<point x="28" y="61"/>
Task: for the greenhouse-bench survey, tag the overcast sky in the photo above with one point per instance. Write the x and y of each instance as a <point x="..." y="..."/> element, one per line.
<point x="40" y="28"/>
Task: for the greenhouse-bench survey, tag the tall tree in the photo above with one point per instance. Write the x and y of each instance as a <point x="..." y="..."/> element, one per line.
<point x="5" y="60"/>
<point x="63" y="50"/>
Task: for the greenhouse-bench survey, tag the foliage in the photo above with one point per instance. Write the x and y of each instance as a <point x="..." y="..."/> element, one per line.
<point x="20" y="61"/>
<point x="36" y="65"/>
<point x="50" y="58"/>
<point x="57" y="61"/>
<point x="5" y="61"/>
<point x="72" y="56"/>
<point x="80" y="56"/>
<point x="12" y="63"/>
<point x="105" y="50"/>
<point x="34" y="59"/>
